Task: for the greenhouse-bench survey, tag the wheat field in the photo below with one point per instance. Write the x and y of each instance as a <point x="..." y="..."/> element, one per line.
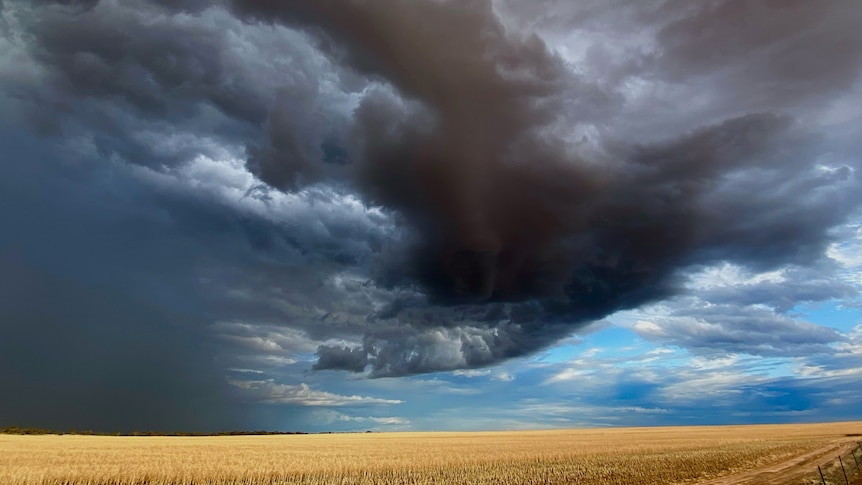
<point x="594" y="456"/>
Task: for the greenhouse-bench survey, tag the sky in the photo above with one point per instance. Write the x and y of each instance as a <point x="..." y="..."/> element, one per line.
<point x="349" y="215"/>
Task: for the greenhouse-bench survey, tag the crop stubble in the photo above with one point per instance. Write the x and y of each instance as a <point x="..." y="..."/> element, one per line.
<point x="595" y="456"/>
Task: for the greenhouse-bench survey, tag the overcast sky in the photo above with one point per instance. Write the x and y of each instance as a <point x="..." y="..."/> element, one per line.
<point x="429" y="214"/>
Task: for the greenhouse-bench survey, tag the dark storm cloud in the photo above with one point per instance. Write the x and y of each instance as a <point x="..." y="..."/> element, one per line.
<point x="510" y="217"/>
<point x="776" y="50"/>
<point x="497" y="230"/>
<point x="792" y="48"/>
<point x="130" y="72"/>
<point x="159" y="69"/>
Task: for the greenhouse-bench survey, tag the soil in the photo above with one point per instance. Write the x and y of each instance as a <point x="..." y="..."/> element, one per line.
<point x="792" y="472"/>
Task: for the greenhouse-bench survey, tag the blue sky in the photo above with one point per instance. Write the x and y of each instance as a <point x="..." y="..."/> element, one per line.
<point x="235" y="215"/>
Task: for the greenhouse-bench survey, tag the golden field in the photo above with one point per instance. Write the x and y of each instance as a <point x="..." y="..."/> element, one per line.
<point x="594" y="456"/>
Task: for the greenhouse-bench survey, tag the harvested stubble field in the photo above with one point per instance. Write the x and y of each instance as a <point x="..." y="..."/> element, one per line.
<point x="594" y="456"/>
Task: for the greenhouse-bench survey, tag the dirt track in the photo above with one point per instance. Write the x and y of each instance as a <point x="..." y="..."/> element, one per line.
<point x="792" y="472"/>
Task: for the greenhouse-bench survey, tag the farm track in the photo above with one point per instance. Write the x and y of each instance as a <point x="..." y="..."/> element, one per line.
<point x="790" y="472"/>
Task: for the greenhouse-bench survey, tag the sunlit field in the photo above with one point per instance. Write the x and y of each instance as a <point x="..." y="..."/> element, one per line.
<point x="595" y="456"/>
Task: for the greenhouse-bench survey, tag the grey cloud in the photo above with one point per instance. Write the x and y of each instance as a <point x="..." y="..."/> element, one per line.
<point x="402" y="351"/>
<point x="799" y="287"/>
<point x="496" y="231"/>
<point x="159" y="68"/>
<point x="730" y="329"/>
<point x="111" y="283"/>
<point x="341" y="358"/>
<point x="679" y="64"/>
<point x="752" y="314"/>
<point x="189" y="6"/>
<point x="769" y="52"/>
<point x="421" y="338"/>
<point x="133" y="72"/>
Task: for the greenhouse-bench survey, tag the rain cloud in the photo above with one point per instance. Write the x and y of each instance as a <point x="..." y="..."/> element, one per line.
<point x="432" y="185"/>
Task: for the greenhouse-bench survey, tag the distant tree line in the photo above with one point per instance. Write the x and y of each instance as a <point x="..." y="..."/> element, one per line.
<point x="37" y="431"/>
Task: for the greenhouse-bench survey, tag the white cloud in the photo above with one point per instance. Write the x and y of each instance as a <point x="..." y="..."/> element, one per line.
<point x="265" y="340"/>
<point x="268" y="391"/>
<point x="245" y="371"/>
<point x="386" y="420"/>
<point x="333" y="419"/>
<point x="727" y="274"/>
<point x="848" y="253"/>
<point x="471" y="373"/>
<point x="564" y="375"/>
<point x="503" y="376"/>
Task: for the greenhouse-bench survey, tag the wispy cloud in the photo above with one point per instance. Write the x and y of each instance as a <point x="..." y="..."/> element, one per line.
<point x="472" y="372"/>
<point x="267" y="391"/>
